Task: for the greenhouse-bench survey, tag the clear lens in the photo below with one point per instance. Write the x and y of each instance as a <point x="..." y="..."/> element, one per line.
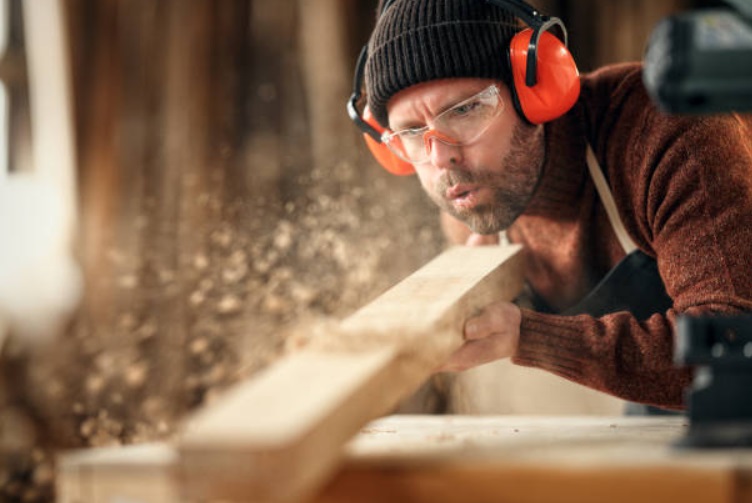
<point x="459" y="125"/>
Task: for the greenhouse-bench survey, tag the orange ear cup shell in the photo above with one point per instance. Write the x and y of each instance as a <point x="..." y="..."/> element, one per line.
<point x="388" y="160"/>
<point x="558" y="83"/>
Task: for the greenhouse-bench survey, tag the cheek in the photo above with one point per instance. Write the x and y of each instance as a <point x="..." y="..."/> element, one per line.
<point x="427" y="176"/>
<point x="492" y="151"/>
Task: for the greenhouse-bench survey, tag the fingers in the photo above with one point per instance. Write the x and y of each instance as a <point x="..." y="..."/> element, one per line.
<point x="477" y="328"/>
<point x="492" y="335"/>
<point x="499" y="317"/>
<point x="470" y="354"/>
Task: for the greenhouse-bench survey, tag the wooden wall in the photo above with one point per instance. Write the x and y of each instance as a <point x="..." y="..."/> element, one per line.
<point x="225" y="199"/>
<point x="614" y="31"/>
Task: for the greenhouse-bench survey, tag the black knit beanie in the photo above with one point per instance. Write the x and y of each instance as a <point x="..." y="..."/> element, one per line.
<point x="419" y="40"/>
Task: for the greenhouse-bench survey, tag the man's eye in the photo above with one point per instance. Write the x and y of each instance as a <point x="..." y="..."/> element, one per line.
<point x="465" y="108"/>
<point x="412" y="132"/>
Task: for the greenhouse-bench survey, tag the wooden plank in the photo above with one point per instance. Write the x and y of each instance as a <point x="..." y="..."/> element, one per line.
<point x="279" y="436"/>
<point x="139" y="473"/>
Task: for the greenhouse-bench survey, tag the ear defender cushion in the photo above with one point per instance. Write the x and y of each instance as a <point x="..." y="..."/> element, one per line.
<point x="388" y="160"/>
<point x="558" y="82"/>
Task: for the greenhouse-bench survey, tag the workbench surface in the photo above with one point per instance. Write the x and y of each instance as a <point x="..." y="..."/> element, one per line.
<point x="524" y="459"/>
<point x="478" y="459"/>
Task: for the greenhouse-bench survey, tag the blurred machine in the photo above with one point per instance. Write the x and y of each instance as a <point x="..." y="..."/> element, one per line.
<point x="719" y="400"/>
<point x="700" y="62"/>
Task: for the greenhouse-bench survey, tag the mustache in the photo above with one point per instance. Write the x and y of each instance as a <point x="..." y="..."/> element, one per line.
<point x="452" y="177"/>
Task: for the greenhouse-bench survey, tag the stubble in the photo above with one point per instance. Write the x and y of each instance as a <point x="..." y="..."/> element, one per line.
<point x="511" y="189"/>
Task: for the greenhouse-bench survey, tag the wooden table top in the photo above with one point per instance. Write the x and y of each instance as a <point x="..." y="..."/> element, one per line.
<point x="451" y="459"/>
<point x="477" y="459"/>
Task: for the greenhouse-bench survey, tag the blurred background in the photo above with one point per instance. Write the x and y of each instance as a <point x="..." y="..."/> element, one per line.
<point x="223" y="203"/>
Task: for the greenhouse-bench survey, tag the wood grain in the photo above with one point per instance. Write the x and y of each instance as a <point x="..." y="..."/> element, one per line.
<point x="279" y="436"/>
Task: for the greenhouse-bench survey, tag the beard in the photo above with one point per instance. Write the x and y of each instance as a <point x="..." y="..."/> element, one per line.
<point x="511" y="190"/>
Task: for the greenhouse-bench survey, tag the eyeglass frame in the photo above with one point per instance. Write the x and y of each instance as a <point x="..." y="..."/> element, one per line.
<point x="428" y="132"/>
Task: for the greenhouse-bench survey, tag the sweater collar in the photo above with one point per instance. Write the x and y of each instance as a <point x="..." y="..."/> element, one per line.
<point x="564" y="169"/>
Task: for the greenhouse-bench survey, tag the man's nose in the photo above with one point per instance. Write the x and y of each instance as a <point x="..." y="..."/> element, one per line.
<point x="443" y="151"/>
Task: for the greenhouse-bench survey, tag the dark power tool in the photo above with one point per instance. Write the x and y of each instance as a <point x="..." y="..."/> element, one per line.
<point x="720" y="398"/>
<point x="700" y="61"/>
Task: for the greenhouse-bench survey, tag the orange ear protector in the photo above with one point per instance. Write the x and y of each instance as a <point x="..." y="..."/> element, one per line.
<point x="545" y="79"/>
<point x="372" y="130"/>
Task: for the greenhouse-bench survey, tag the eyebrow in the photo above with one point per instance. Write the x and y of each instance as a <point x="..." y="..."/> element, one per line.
<point x="452" y="103"/>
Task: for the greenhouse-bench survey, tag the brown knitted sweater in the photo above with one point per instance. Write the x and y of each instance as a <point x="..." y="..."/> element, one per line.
<point x="683" y="188"/>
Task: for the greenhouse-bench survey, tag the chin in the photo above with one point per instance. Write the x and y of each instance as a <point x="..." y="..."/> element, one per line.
<point x="483" y="224"/>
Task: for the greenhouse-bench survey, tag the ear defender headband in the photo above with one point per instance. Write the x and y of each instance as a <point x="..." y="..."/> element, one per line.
<point x="545" y="79"/>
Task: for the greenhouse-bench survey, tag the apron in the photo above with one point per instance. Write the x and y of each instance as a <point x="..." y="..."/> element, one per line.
<point x="633" y="285"/>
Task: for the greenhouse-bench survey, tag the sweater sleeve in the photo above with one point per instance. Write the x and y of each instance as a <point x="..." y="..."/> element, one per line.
<point x="683" y="187"/>
<point x="615" y="354"/>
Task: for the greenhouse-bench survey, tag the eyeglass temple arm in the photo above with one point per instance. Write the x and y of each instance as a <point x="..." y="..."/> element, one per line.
<point x="352" y="107"/>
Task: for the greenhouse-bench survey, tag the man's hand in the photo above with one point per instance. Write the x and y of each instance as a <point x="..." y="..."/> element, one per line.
<point x="492" y="335"/>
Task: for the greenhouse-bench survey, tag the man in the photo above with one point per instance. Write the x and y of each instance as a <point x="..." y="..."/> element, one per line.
<point x="607" y="289"/>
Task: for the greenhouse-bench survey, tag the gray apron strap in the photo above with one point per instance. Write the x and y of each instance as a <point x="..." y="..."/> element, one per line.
<point x="634" y="284"/>
<point x="608" y="202"/>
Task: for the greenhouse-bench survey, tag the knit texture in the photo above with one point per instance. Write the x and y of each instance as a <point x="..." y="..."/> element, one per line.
<point x="683" y="188"/>
<point x="419" y="40"/>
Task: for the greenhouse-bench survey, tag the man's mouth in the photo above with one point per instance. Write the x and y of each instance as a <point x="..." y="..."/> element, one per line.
<point x="465" y="196"/>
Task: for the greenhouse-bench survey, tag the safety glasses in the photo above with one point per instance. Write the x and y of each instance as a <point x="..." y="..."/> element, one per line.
<point x="460" y="124"/>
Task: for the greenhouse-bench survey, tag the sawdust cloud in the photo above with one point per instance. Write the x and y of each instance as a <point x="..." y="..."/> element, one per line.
<point x="269" y="267"/>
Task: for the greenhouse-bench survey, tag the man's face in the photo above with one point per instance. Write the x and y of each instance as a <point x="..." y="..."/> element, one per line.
<point x="487" y="182"/>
